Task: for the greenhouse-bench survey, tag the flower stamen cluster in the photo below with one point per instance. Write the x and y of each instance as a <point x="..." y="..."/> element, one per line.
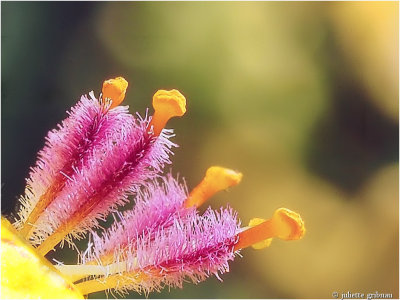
<point x="101" y="157"/>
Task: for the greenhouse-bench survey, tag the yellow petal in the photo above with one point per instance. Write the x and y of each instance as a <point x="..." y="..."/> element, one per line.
<point x="27" y="275"/>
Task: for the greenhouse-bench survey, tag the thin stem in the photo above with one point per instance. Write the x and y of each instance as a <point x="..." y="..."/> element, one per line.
<point x="95" y="285"/>
<point x="77" y="272"/>
<point x="114" y="281"/>
<point x="26" y="229"/>
<point x="43" y="202"/>
<point x="52" y="241"/>
<point x="255" y="234"/>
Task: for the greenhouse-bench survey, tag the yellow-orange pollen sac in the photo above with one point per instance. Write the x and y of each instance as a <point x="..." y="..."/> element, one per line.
<point x="166" y="104"/>
<point x="284" y="224"/>
<point x="263" y="244"/>
<point x="215" y="180"/>
<point x="115" y="89"/>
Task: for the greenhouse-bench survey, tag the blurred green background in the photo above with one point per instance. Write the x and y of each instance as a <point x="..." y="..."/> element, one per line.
<point x="300" y="97"/>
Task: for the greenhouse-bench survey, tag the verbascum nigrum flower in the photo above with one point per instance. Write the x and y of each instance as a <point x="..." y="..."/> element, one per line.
<point x="98" y="159"/>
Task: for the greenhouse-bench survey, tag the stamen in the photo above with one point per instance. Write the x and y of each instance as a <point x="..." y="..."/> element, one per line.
<point x="263" y="244"/>
<point x="77" y="272"/>
<point x="166" y="104"/>
<point x="110" y="282"/>
<point x="215" y="180"/>
<point x="42" y="204"/>
<point x="115" y="90"/>
<point x="284" y="224"/>
<point x="52" y="240"/>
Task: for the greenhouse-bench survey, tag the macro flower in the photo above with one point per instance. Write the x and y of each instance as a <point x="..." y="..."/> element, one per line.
<point x="96" y="161"/>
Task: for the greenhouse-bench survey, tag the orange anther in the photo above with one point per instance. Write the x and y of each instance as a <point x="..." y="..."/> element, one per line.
<point x="215" y="180"/>
<point x="115" y="90"/>
<point x="166" y="104"/>
<point x="284" y="224"/>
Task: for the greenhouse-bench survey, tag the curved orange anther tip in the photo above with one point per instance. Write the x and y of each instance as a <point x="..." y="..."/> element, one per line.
<point x="166" y="104"/>
<point x="284" y="224"/>
<point x="290" y="224"/>
<point x="115" y="90"/>
<point x="215" y="180"/>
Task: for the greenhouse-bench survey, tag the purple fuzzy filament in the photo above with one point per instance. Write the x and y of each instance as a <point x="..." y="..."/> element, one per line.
<point x="193" y="247"/>
<point x="90" y="166"/>
<point x="155" y="207"/>
<point x="126" y="162"/>
<point x="65" y="151"/>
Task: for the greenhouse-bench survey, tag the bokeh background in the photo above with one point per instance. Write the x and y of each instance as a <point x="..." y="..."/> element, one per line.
<point x="300" y="97"/>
